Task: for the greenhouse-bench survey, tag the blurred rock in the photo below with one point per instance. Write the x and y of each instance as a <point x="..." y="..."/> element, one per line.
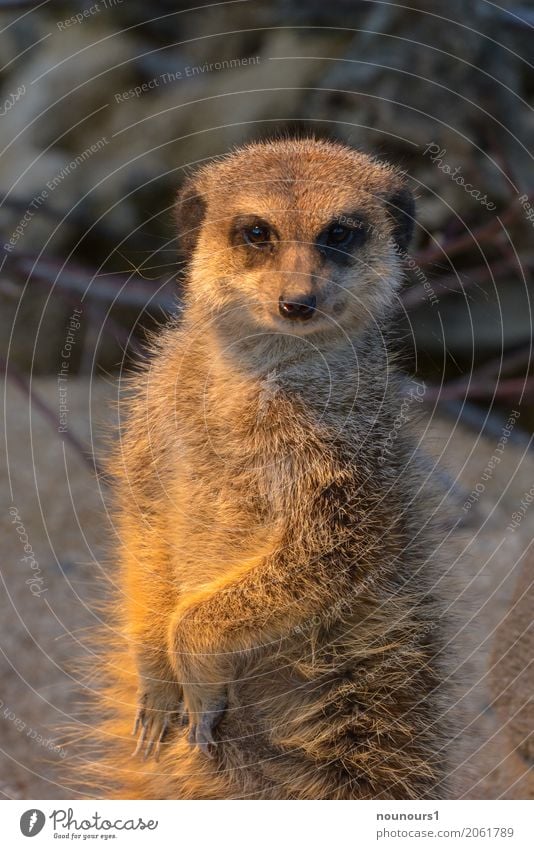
<point x="117" y="107"/>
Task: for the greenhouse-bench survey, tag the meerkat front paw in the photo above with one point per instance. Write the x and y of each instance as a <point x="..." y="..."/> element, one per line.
<point x="203" y="674"/>
<point x="160" y="706"/>
<point x="203" y="722"/>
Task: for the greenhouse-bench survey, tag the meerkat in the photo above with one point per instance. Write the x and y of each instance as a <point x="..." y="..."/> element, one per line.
<point x="276" y="633"/>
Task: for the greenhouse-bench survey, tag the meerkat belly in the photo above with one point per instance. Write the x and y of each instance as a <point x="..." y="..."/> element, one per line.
<point x="324" y="714"/>
<point x="280" y="709"/>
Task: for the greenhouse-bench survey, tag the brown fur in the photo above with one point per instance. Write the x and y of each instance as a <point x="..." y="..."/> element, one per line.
<point x="274" y="555"/>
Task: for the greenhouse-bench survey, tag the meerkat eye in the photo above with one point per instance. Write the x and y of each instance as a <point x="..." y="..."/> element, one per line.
<point x="338" y="234"/>
<point x="258" y="235"/>
<point x="337" y="240"/>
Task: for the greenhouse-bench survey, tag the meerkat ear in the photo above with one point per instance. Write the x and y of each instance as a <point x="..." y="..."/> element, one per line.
<point x="189" y="213"/>
<point x="400" y="205"/>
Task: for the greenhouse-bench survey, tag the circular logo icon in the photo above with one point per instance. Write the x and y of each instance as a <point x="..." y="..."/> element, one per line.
<point x="31" y="822"/>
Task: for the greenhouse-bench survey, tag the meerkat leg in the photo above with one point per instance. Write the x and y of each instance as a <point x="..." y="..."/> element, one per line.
<point x="159" y="696"/>
<point x="160" y="707"/>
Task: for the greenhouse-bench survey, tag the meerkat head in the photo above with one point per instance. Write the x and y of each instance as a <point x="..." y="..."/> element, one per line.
<point x="294" y="237"/>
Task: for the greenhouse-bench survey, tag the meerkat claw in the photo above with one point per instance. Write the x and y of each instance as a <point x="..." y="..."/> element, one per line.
<point x="163" y="732"/>
<point x="141" y="739"/>
<point x="140" y="715"/>
<point x="204" y="740"/>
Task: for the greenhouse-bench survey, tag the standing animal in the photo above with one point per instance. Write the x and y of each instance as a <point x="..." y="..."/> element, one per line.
<point x="276" y="633"/>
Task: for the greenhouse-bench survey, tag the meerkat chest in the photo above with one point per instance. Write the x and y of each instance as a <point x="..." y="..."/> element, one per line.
<point x="222" y="517"/>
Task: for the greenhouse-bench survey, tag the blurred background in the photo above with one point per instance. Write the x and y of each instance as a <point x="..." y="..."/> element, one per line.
<point x="104" y="108"/>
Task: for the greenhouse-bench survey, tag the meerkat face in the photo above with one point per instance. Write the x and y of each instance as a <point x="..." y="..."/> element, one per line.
<point x="295" y="237"/>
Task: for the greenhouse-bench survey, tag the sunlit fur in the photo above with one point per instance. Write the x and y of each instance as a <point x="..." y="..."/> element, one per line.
<point x="271" y="550"/>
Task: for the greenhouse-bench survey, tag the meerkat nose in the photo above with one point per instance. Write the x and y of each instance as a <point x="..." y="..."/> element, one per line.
<point x="301" y="307"/>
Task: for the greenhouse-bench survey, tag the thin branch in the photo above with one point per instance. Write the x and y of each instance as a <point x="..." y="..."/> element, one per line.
<point x="519" y="388"/>
<point x="461" y="243"/>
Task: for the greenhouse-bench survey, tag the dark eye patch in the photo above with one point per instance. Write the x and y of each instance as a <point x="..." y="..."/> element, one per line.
<point x="341" y="238"/>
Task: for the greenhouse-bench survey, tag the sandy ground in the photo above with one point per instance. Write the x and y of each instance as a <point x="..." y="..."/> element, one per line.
<point x="62" y="512"/>
<point x="49" y="601"/>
